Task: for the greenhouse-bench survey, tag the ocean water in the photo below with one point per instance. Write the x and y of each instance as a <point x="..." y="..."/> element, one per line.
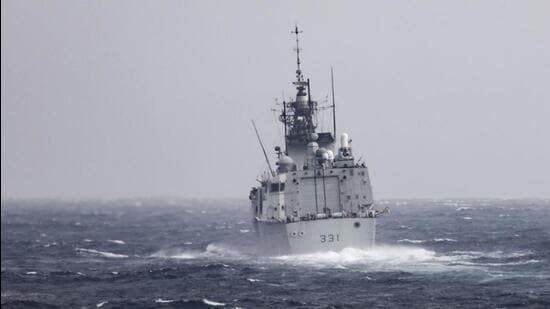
<point x="201" y="254"/>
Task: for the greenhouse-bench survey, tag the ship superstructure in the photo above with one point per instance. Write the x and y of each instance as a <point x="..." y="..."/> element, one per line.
<point x="319" y="197"/>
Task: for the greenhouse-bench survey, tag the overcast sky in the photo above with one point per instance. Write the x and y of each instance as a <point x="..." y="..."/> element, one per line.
<point x="154" y="98"/>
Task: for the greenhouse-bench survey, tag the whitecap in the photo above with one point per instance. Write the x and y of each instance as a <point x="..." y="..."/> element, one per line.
<point x="404" y="258"/>
<point x="215" y="251"/>
<point x="244" y="231"/>
<point x="412" y="241"/>
<point x="163" y="301"/>
<point x="463" y="208"/>
<point x="467" y="218"/>
<point x="50" y="244"/>
<point x="470" y="263"/>
<point x="31" y="273"/>
<point x="212" y="303"/>
<point x="253" y="280"/>
<point x="116" y="241"/>
<point x="101" y="304"/>
<point x="494" y="254"/>
<point x="219" y="250"/>
<point x="102" y="253"/>
<point x="376" y="256"/>
<point x="444" y="239"/>
<point x="176" y="254"/>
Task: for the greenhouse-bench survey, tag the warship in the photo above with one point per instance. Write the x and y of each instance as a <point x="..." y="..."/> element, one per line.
<point x="318" y="198"/>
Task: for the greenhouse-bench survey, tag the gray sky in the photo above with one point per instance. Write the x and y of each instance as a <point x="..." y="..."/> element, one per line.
<point x="154" y="98"/>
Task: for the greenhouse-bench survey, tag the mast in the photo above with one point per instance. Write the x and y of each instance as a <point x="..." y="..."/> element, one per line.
<point x="299" y="76"/>
<point x="333" y="103"/>
<point x="284" y="118"/>
<point x="311" y="111"/>
<point x="299" y="115"/>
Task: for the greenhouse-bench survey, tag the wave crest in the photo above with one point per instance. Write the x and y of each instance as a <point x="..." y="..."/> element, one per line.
<point x="216" y="251"/>
<point x="388" y="255"/>
<point x="93" y="252"/>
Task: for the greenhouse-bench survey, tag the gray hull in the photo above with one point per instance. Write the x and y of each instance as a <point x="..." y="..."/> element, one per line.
<point x="315" y="236"/>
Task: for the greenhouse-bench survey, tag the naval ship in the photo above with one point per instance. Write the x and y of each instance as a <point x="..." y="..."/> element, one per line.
<point x="319" y="197"/>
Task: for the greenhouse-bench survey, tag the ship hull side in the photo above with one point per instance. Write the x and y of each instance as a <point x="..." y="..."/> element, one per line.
<point x="316" y="235"/>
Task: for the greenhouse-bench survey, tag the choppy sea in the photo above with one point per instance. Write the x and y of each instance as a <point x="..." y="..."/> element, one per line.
<point x="143" y="253"/>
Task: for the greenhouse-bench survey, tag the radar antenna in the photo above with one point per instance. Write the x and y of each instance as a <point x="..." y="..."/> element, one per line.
<point x="299" y="76"/>
<point x="333" y="102"/>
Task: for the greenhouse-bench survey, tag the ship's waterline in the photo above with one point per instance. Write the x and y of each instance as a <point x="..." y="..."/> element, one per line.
<point x="318" y="235"/>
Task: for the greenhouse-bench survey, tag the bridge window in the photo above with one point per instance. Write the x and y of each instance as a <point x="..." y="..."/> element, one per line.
<point x="277" y="187"/>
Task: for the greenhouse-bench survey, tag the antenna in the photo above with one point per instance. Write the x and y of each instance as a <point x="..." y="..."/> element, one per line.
<point x="284" y="118"/>
<point x="299" y="76"/>
<point x="333" y="102"/>
<point x="310" y="104"/>
<point x="263" y="149"/>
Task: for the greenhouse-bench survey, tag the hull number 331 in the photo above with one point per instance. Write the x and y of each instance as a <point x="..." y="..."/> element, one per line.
<point x="329" y="237"/>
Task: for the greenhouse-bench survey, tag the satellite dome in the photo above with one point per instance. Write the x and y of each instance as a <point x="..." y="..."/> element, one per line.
<point x="285" y="164"/>
<point x="312" y="147"/>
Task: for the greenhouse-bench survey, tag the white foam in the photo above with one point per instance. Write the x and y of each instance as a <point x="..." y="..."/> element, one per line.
<point x="253" y="280"/>
<point x="244" y="231"/>
<point x="376" y="256"/>
<point x="412" y="241"/>
<point x="463" y="208"/>
<point x="498" y="264"/>
<point x="494" y="254"/>
<point x="212" y="303"/>
<point x="163" y="301"/>
<point x="101" y="304"/>
<point x="50" y="244"/>
<point x="176" y="254"/>
<point x="467" y="218"/>
<point x="444" y="239"/>
<point x="116" y="241"/>
<point x="31" y="273"/>
<point x="102" y="253"/>
<point x="406" y="258"/>
<point x="216" y="251"/>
